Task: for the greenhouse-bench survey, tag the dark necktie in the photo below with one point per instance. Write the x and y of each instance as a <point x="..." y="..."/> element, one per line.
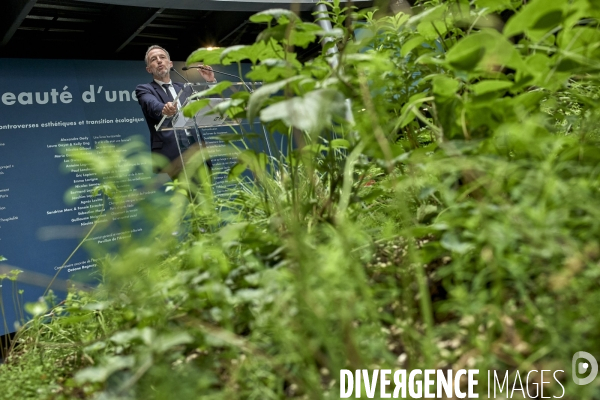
<point x="169" y="96"/>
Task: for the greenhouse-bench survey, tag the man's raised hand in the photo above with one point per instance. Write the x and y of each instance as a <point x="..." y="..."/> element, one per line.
<point x="207" y="73"/>
<point x="169" y="109"/>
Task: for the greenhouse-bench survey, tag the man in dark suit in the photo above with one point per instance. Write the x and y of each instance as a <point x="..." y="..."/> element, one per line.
<point x="157" y="99"/>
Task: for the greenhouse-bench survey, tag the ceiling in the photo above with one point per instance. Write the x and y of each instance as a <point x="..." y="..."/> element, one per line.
<point x="123" y="29"/>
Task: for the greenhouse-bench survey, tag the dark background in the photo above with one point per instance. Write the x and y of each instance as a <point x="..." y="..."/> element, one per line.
<point x="124" y="29"/>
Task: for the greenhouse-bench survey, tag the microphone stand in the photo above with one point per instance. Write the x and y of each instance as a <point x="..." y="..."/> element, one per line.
<point x="247" y="87"/>
<point x="198" y="130"/>
<point x="184" y="78"/>
<point x="220" y="72"/>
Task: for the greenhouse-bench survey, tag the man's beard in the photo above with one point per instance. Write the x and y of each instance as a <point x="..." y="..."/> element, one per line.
<point x="161" y="73"/>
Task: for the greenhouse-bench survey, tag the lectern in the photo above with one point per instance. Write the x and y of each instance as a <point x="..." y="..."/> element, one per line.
<point x="204" y="130"/>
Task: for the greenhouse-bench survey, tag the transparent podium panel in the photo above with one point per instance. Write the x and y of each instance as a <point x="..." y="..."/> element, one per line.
<point x="207" y="129"/>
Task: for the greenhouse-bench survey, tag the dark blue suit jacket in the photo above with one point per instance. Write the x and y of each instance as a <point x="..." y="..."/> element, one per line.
<point x="153" y="98"/>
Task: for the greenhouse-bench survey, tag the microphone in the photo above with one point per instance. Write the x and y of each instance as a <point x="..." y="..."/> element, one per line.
<point x="219" y="72"/>
<point x="177" y="72"/>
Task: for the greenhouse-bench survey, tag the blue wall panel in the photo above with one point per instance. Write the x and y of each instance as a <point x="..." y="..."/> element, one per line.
<point x="32" y="186"/>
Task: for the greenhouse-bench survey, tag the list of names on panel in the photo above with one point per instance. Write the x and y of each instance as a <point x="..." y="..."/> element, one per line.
<point x="83" y="207"/>
<point x="7" y="216"/>
<point x="220" y="159"/>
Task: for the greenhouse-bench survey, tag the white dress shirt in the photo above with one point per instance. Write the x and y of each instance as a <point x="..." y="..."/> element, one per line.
<point x="171" y="90"/>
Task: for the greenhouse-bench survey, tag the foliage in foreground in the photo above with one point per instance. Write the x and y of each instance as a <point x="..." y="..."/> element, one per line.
<point x="453" y="223"/>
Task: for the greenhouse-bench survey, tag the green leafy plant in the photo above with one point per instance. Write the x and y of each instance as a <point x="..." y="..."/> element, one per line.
<point x="437" y="208"/>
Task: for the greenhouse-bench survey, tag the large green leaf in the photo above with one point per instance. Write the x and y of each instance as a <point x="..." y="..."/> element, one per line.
<point x="216" y="89"/>
<point x="529" y="101"/>
<point x="193" y="107"/>
<point x="205" y="55"/>
<point x="549" y="20"/>
<point x="233" y="108"/>
<point x="339" y="144"/>
<point x="431" y="14"/>
<point x="168" y="340"/>
<point x="301" y="34"/>
<point x="263" y="93"/>
<point x="494" y="5"/>
<point x="311" y="112"/>
<point x="254" y="52"/>
<point x="490" y="86"/>
<point x="486" y="50"/>
<point x="273" y="69"/>
<point x="37" y="308"/>
<point x="145" y="335"/>
<point x="445" y="86"/>
<point x="452" y="242"/>
<point x="236" y="170"/>
<point x="109" y="366"/>
<point x="536" y="18"/>
<point x="465" y="56"/>
<point x="432" y="30"/>
<point x="278" y="14"/>
<point x="237" y="53"/>
<point x="411" y="44"/>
